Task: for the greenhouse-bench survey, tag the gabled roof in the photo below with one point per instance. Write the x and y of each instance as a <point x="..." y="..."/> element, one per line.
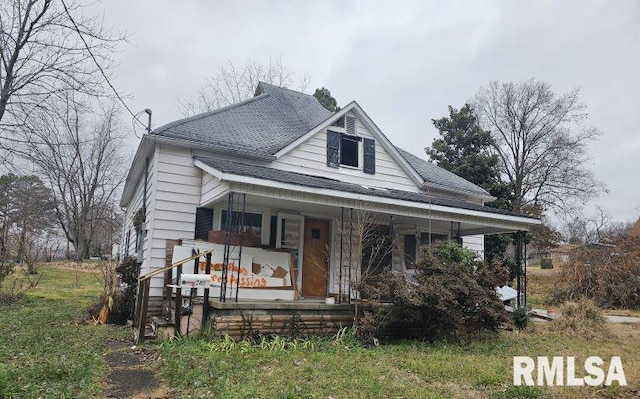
<point x="436" y="177"/>
<point x="277" y="119"/>
<point x="362" y="116"/>
<point x="262" y="125"/>
<point x="299" y="179"/>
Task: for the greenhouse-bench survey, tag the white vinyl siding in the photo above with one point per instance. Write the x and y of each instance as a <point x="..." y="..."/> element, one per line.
<point x="212" y="189"/>
<point x="475" y="243"/>
<point x="176" y="195"/>
<point x="310" y="157"/>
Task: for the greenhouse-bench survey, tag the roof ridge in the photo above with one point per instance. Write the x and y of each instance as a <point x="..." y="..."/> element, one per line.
<point x="284" y="88"/>
<point x="206" y="114"/>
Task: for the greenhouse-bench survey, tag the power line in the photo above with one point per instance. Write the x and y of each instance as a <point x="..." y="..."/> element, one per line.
<point x="104" y="75"/>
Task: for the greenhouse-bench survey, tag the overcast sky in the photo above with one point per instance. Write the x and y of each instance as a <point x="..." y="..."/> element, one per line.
<point x="404" y="62"/>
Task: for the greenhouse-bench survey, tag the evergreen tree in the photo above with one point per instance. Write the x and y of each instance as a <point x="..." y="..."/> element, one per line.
<point x="326" y="100"/>
<point x="465" y="149"/>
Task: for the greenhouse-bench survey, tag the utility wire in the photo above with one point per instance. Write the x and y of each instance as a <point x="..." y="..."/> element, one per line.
<point x="104" y="75"/>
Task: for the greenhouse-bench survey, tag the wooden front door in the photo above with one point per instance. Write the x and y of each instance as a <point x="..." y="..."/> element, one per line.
<point x="315" y="265"/>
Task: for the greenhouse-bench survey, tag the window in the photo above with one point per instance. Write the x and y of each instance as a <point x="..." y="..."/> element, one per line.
<point x="348" y="149"/>
<point x="349" y="154"/>
<point x="252" y="222"/>
<point x="410" y="251"/>
<point x="411" y="248"/>
<point x="435" y="237"/>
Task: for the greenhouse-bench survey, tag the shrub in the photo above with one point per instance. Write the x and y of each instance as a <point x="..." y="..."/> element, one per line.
<point x="120" y="284"/>
<point x="520" y="318"/>
<point x="546" y="264"/>
<point x="6" y="269"/>
<point x="607" y="274"/>
<point x="452" y="298"/>
<point x="124" y="300"/>
<point x="580" y="319"/>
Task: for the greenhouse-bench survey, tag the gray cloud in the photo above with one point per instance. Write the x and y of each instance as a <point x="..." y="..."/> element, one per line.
<point x="404" y="62"/>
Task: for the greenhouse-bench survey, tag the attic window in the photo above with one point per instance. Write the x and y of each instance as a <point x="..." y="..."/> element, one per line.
<point x="349" y="150"/>
<point x="339" y="122"/>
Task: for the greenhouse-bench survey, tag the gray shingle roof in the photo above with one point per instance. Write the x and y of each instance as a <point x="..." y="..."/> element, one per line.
<point x="281" y="176"/>
<point x="262" y="125"/>
<point x="441" y="178"/>
<point x="272" y="119"/>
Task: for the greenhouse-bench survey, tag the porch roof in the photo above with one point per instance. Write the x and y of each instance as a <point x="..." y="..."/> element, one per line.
<point x="299" y="179"/>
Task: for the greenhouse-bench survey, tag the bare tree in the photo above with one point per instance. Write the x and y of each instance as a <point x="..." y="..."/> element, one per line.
<point x="540" y="141"/>
<point x="598" y="227"/>
<point x="46" y="48"/>
<point x="235" y="83"/>
<point x="82" y="161"/>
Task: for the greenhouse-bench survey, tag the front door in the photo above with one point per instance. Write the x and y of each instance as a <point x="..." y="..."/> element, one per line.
<point x="315" y="265"/>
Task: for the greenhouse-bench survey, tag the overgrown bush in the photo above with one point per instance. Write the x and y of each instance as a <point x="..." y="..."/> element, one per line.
<point x="452" y="298"/>
<point x="546" y="264"/>
<point x="6" y="269"/>
<point x="580" y="319"/>
<point x="520" y="318"/>
<point x="124" y="301"/>
<point x="607" y="274"/>
<point x="117" y="302"/>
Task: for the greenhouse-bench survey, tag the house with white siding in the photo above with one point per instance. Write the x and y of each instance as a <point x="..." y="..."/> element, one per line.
<point x="302" y="173"/>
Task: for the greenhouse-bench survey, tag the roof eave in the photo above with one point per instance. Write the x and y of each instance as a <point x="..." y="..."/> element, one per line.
<point x="197" y="145"/>
<point x="525" y="221"/>
<point x="480" y="196"/>
<point x="145" y="148"/>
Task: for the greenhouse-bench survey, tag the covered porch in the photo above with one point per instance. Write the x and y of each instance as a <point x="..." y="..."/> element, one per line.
<point x="332" y="235"/>
<point x="336" y="240"/>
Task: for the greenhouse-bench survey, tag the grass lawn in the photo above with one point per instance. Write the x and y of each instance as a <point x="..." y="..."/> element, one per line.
<point x="45" y="349"/>
<point x="197" y="368"/>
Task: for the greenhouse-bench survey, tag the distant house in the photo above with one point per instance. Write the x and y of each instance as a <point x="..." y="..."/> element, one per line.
<point x="299" y="168"/>
<point x="557" y="255"/>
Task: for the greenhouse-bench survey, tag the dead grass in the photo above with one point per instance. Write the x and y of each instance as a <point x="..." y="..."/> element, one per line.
<point x="581" y="319"/>
<point x="540" y="285"/>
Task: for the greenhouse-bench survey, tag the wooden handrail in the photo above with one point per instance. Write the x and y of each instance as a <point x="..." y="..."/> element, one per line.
<point x="181" y="262"/>
<point x="142" y="301"/>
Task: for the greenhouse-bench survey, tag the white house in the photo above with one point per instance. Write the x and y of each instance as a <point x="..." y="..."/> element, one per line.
<point x="301" y="168"/>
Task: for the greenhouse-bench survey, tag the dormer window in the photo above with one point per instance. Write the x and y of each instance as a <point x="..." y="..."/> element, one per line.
<point x="349" y="150"/>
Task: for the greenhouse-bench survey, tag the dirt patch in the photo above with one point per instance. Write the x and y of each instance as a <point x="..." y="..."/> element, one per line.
<point x="131" y="373"/>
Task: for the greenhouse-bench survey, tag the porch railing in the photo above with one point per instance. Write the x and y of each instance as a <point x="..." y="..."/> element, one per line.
<point x="144" y="284"/>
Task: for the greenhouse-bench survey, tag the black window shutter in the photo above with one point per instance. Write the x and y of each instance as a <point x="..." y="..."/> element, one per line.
<point x="204" y="223"/>
<point x="369" y="156"/>
<point x="333" y="149"/>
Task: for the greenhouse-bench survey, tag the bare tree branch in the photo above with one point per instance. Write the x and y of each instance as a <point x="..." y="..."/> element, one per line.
<point x="46" y="49"/>
<point x="540" y="141"/>
<point x="234" y="83"/>
<point x="80" y="158"/>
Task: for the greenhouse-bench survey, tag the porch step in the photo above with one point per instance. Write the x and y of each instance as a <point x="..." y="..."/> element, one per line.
<point x="149" y="332"/>
<point x="156" y="327"/>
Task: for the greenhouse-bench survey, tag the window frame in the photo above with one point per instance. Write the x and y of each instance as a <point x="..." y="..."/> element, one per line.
<point x="418" y="243"/>
<point x="357" y="140"/>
